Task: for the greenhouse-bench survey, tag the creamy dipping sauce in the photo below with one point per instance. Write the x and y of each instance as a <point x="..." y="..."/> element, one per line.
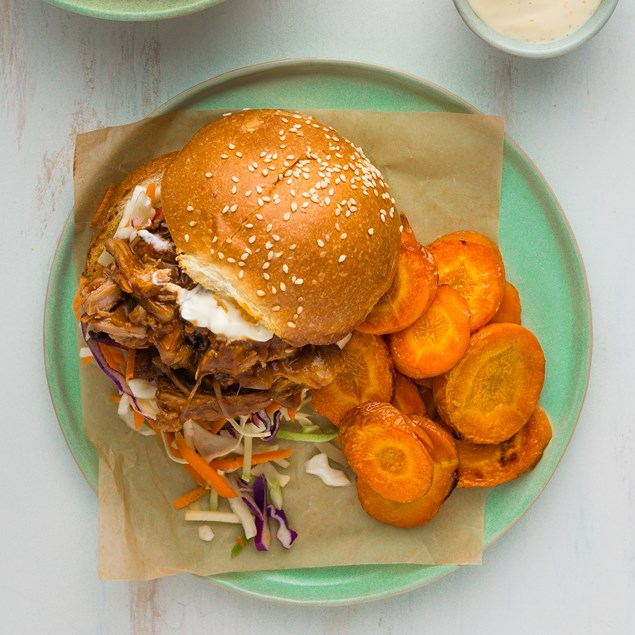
<point x="534" y="20"/>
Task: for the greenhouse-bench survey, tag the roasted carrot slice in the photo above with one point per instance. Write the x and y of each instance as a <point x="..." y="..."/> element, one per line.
<point x="366" y="375"/>
<point x="472" y="264"/>
<point x="412" y="292"/>
<point x="437" y="340"/>
<point x="483" y="465"/>
<point x="406" y="396"/>
<point x="510" y="308"/>
<point x="382" y="448"/>
<point x="490" y="394"/>
<point x="423" y="509"/>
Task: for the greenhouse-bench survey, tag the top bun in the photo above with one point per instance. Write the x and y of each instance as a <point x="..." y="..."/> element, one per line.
<point x="108" y="220"/>
<point x="279" y="214"/>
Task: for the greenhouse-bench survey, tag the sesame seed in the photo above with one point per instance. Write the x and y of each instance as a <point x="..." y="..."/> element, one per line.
<point x="299" y="281"/>
<point x="292" y="248"/>
<point x="299" y="310"/>
<point x="285" y="268"/>
<point x="371" y="231"/>
<point x="266" y="264"/>
<point x="260" y="292"/>
<point x="208" y="175"/>
<point x="221" y="255"/>
<point x="241" y="274"/>
<point x="266" y="276"/>
<point x="342" y="258"/>
<point x="231" y="260"/>
<point x="320" y="242"/>
<point x="294" y="206"/>
<point x="244" y="256"/>
<point x="224" y="156"/>
<point x="190" y="208"/>
<point x="291" y="325"/>
<point x="252" y="239"/>
<point x="192" y="223"/>
<point x="283" y="286"/>
<point x="344" y="236"/>
<point x="287" y="216"/>
<point x="259" y="216"/>
<point x="235" y="179"/>
<point x="231" y="146"/>
<point x="275" y="237"/>
<point x="215" y="239"/>
<point x="186" y="238"/>
<point x="275" y="308"/>
<point x="234" y="189"/>
<point x="233" y="208"/>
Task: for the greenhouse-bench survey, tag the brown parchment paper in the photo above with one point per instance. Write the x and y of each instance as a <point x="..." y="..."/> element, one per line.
<point x="444" y="171"/>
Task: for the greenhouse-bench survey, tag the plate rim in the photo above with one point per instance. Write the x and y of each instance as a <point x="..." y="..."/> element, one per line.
<point x="339" y="65"/>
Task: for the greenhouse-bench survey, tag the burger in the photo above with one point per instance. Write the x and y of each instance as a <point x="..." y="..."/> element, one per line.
<point x="227" y="277"/>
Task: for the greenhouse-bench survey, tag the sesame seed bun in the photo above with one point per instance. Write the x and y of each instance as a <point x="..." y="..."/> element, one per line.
<point x="108" y="220"/>
<point x="279" y="214"/>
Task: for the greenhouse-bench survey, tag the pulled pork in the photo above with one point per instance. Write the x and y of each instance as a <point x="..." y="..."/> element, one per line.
<point x="198" y="374"/>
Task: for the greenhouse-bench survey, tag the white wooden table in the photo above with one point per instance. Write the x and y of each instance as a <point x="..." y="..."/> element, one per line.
<point x="569" y="564"/>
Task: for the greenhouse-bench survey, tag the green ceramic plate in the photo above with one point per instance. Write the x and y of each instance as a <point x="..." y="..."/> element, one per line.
<point x="541" y="258"/>
<point x="134" y="9"/>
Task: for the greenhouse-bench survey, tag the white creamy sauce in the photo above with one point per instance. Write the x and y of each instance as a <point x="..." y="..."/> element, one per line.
<point x="137" y="212"/>
<point x="158" y="243"/>
<point x="200" y="307"/>
<point x="534" y="20"/>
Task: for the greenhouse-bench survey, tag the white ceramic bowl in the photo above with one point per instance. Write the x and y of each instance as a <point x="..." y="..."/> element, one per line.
<point x="550" y="48"/>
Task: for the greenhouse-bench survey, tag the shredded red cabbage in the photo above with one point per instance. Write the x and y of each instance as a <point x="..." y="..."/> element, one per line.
<point x="264" y="422"/>
<point x="117" y="378"/>
<point x="285" y="535"/>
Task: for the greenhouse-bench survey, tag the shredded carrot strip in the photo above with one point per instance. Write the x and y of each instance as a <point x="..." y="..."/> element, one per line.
<point x="102" y="205"/>
<point x="139" y="419"/>
<point x="272" y="407"/>
<point x="217" y="426"/>
<point x="113" y="357"/>
<point x="189" y="497"/>
<point x="240" y="540"/>
<point x="130" y="361"/>
<point x="211" y="476"/>
<point x="151" y="191"/>
<point x="77" y="300"/>
<point x="115" y="398"/>
<point x="87" y="360"/>
<point x="154" y="427"/>
<point x="196" y="477"/>
<point x="292" y="413"/>
<point x="233" y="463"/>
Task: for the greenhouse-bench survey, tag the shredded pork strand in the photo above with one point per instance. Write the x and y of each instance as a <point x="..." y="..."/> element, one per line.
<point x="198" y="374"/>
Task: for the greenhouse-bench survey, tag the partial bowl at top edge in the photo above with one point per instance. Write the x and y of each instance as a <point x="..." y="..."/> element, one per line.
<point x="134" y="10"/>
<point x="541" y="49"/>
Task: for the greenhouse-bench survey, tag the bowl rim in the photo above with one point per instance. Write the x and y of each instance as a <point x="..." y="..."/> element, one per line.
<point x="539" y="50"/>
